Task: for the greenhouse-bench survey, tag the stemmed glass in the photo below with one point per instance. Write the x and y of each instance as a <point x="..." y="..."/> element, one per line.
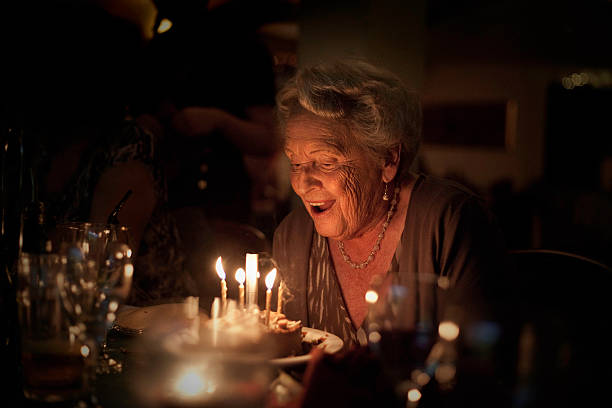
<point x="414" y="341"/>
<point x="97" y="278"/>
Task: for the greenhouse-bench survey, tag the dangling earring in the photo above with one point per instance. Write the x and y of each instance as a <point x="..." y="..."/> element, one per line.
<point x="385" y="195"/>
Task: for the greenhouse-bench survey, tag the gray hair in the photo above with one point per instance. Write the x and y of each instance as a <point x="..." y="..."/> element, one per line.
<point x="379" y="112"/>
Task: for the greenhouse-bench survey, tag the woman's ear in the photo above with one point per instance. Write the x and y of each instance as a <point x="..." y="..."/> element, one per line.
<point x="391" y="165"/>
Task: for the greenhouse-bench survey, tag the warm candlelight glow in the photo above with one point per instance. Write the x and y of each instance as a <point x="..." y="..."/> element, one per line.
<point x="279" y="301"/>
<point x="221" y="273"/>
<point x="214" y="315"/>
<point x="219" y="267"/>
<point x="214" y="310"/>
<point x="269" y="283"/>
<point x="251" y="278"/>
<point x="270" y="277"/>
<point x="191" y="383"/>
<point x="240" y="277"/>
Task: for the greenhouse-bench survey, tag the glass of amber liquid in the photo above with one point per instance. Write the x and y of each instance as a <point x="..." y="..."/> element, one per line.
<point x="54" y="365"/>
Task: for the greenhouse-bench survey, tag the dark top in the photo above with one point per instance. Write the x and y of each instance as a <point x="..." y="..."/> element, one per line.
<point x="448" y="233"/>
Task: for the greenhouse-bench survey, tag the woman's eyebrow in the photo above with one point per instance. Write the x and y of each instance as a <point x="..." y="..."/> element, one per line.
<point x="324" y="151"/>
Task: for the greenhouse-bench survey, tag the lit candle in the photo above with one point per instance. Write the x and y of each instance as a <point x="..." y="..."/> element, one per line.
<point x="269" y="283"/>
<point x="221" y="273"/>
<point x="240" y="277"/>
<point x="214" y="315"/>
<point x="251" y="279"/>
<point x="279" y="302"/>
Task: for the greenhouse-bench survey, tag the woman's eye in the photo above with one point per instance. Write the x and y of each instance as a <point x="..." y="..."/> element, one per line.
<point x="327" y="166"/>
<point x="321" y="166"/>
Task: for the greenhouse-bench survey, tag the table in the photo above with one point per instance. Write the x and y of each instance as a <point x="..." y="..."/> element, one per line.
<point x="117" y="385"/>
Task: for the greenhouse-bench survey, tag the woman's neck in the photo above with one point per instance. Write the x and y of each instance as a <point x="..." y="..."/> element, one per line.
<point x="355" y="282"/>
<point x="369" y="236"/>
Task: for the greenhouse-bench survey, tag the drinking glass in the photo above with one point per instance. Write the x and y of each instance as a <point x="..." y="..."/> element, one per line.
<point x="98" y="275"/>
<point x="54" y="365"/>
<point x="413" y="339"/>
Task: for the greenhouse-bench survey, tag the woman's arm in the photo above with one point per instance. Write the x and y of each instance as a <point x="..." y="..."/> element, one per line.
<point x="253" y="135"/>
<point x="113" y="185"/>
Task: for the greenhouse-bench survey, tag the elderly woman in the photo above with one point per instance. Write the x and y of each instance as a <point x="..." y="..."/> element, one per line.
<point x="351" y="132"/>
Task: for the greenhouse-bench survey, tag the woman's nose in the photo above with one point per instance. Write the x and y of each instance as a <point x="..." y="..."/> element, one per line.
<point x="305" y="180"/>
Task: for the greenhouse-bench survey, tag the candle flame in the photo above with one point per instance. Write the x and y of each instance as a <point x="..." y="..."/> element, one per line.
<point x="240" y="275"/>
<point x="270" y="278"/>
<point x="219" y="267"/>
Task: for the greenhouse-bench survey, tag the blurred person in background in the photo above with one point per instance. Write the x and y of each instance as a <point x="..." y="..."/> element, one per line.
<point x="72" y="82"/>
<point x="208" y="88"/>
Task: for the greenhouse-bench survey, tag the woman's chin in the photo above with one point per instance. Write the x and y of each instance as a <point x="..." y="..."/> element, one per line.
<point x="324" y="230"/>
<point x="328" y="224"/>
<point x="329" y="231"/>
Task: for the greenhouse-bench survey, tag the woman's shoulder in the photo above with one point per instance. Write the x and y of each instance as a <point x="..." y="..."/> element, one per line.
<point x="442" y="198"/>
<point x="428" y="184"/>
<point x="430" y="189"/>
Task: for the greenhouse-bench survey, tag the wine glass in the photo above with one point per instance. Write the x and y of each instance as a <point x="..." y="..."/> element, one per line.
<point x="414" y="340"/>
<point x="98" y="276"/>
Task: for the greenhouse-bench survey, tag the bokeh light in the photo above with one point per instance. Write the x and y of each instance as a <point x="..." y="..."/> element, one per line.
<point x="164" y="26"/>
<point x="414" y="395"/>
<point x="448" y="330"/>
<point x="371" y="296"/>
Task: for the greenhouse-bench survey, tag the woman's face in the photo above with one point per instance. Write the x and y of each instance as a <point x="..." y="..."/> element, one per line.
<point x="340" y="188"/>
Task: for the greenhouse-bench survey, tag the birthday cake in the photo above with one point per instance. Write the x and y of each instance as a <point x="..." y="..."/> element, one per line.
<point x="237" y="331"/>
<point x="286" y="335"/>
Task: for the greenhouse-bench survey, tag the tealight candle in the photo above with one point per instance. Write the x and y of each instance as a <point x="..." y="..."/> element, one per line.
<point x="240" y="277"/>
<point x="269" y="283"/>
<point x="251" y="279"/>
<point x="221" y="273"/>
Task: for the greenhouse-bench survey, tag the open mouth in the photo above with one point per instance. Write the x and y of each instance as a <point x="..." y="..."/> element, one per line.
<point x="319" y="207"/>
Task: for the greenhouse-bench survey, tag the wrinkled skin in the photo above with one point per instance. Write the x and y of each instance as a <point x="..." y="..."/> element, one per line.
<point x="338" y="183"/>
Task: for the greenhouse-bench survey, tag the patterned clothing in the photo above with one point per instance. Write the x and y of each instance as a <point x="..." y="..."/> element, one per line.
<point x="448" y="233"/>
<point x="159" y="266"/>
<point x="327" y="308"/>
